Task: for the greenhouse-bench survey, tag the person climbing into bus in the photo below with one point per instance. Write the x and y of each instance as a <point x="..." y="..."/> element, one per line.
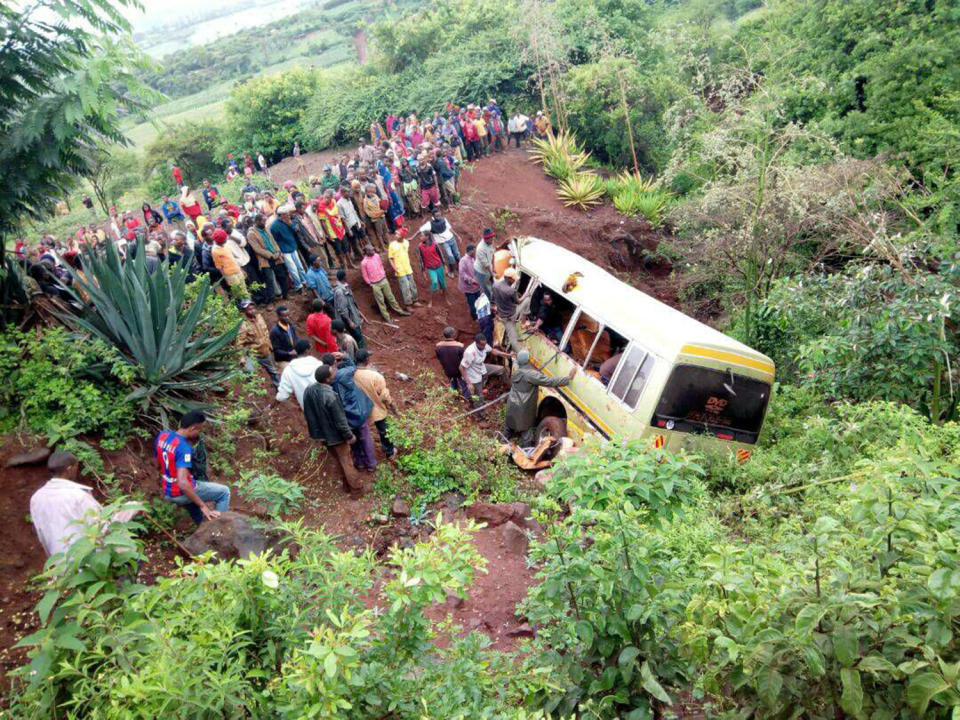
<point x="521" y="414"/>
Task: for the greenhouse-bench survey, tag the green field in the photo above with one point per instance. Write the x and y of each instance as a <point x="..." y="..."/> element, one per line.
<point x="210" y="102"/>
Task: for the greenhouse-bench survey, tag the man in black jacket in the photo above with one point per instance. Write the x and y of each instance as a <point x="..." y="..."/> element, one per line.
<point x="327" y="422"/>
<point x="283" y="337"/>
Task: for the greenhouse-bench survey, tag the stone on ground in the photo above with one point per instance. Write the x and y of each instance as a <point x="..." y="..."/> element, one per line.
<point x="232" y="536"/>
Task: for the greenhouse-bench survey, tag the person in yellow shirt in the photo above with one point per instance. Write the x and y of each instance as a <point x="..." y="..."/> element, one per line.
<point x="483" y="133"/>
<point x="399" y="256"/>
<point x="224" y="261"/>
<point x="542" y="125"/>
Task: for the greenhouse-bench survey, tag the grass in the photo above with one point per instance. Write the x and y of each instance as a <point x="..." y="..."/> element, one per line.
<point x="210" y="102"/>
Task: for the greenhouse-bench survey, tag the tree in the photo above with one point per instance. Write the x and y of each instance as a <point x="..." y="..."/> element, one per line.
<point x="64" y="87"/>
<point x="114" y="171"/>
<point x="195" y="146"/>
<point x="265" y="113"/>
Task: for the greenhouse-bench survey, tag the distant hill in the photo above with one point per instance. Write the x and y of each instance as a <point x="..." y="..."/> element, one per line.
<point x="322" y="34"/>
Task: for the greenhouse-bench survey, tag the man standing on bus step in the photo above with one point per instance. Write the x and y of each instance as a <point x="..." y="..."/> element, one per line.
<point x="505" y="301"/>
<point x="521" y="415"/>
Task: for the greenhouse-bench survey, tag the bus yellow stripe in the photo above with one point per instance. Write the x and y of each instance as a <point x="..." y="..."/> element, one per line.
<point x="581" y="405"/>
<point x="728" y="357"/>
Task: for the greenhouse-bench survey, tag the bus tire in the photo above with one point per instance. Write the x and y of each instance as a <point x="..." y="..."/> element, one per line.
<point x="555" y="427"/>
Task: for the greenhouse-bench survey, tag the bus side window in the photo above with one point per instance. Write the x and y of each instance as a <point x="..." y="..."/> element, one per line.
<point x="631" y="375"/>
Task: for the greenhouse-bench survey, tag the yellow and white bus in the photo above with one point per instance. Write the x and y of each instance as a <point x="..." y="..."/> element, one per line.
<point x="644" y="368"/>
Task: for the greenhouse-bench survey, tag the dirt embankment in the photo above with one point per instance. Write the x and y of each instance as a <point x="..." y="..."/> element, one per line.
<point x="505" y="191"/>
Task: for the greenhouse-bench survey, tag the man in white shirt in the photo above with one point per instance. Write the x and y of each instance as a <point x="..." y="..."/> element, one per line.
<point x="298" y="375"/>
<point x="474" y="368"/>
<point x="61" y="506"/>
<point x="517" y="126"/>
<point x="445" y="239"/>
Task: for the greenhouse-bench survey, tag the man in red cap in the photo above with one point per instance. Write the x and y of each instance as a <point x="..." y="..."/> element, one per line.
<point x="224" y="261"/>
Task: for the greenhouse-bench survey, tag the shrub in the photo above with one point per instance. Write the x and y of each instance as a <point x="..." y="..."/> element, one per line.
<point x="606" y="475"/>
<point x="62" y="386"/>
<point x="847" y="603"/>
<point x="172" y="353"/>
<point x="194" y="146"/>
<point x="582" y="190"/>
<point x="612" y="579"/>
<point x="265" y="114"/>
<point x="279" y="636"/>
<point x="437" y="455"/>
<point x="278" y="495"/>
<point x="650" y="205"/>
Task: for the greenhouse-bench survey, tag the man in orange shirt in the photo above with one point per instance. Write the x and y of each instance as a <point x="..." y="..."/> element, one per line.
<point x="227" y="265"/>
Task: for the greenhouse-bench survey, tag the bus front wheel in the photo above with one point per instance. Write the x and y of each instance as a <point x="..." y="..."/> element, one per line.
<point x="555" y="427"/>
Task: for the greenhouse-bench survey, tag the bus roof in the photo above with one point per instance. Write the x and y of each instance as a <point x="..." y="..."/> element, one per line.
<point x="660" y="328"/>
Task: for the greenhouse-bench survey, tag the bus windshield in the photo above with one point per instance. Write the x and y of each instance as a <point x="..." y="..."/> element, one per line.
<point x="717" y="402"/>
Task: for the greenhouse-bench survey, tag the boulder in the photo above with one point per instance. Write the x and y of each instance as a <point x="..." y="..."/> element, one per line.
<point x="400" y="508"/>
<point x="522" y="630"/>
<point x="515" y="538"/>
<point x="234" y="535"/>
<point x="494" y="514"/>
<point x="31" y="457"/>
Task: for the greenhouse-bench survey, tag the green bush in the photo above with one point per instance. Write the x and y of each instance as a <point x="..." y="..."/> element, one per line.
<point x="608" y="475"/>
<point x="265" y="114"/>
<point x="278" y="495"/>
<point x="846" y="601"/>
<point x="873" y="332"/>
<point x="60" y="385"/>
<point x="611" y="578"/>
<point x="437" y="455"/>
<point x="196" y="148"/>
<point x="279" y="636"/>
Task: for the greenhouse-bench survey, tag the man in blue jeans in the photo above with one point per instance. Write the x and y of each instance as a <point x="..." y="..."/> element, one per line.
<point x="177" y="459"/>
<point x="285" y="236"/>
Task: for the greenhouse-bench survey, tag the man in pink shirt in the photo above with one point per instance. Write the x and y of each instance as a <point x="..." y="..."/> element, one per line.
<point x="371" y="267"/>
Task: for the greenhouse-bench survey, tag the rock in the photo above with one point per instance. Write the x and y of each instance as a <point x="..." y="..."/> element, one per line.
<point x="453" y="500"/>
<point x="403" y="377"/>
<point x="31" y="457"/>
<point x="400" y="508"/>
<point x="494" y="514"/>
<point x="454" y="601"/>
<point x="479" y="624"/>
<point x="523" y="630"/>
<point x="534" y="527"/>
<point x="234" y="535"/>
<point x="515" y="538"/>
<point x="406" y="543"/>
<point x="380" y="519"/>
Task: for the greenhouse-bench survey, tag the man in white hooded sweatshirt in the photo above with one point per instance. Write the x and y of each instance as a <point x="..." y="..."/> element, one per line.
<point x="298" y="375"/>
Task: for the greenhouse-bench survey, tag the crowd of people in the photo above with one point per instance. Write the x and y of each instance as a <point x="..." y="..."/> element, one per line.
<point x="273" y="243"/>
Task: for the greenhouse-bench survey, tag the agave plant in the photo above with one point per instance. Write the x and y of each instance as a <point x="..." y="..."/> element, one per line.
<point x="560" y="143"/>
<point x="562" y="167"/>
<point x="648" y="203"/>
<point x="171" y="347"/>
<point x="582" y="190"/>
<point x="627" y="182"/>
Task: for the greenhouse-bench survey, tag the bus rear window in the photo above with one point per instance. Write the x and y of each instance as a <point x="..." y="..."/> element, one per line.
<point x="717" y="402"/>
